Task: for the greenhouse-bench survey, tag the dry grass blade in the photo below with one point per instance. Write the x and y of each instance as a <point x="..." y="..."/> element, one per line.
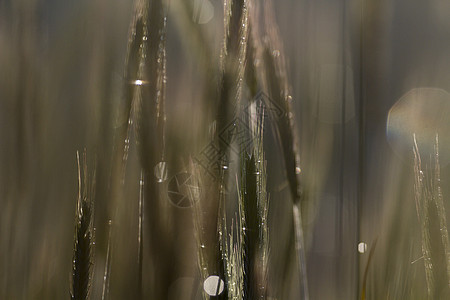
<point x="245" y="249"/>
<point x="107" y="272"/>
<point x="133" y="63"/>
<point x="143" y="111"/>
<point x="432" y="217"/>
<point x="422" y="204"/>
<point x="232" y="68"/>
<point x="251" y="226"/>
<point x="255" y="209"/>
<point x="145" y="78"/>
<point x="233" y="60"/>
<point x="276" y="84"/>
<point x="197" y="218"/>
<point x="233" y="251"/>
<point x="83" y="244"/>
<point x="150" y="131"/>
<point x="233" y="65"/>
<point x="300" y="250"/>
<point x="366" y="270"/>
<point x="150" y="113"/>
<point x="141" y="233"/>
<point x="439" y="202"/>
<point x="236" y="264"/>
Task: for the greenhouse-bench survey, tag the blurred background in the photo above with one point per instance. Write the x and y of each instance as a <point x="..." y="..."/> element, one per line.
<point x="364" y="74"/>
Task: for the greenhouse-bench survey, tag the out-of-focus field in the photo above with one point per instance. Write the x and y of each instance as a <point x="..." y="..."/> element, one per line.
<point x="364" y="76"/>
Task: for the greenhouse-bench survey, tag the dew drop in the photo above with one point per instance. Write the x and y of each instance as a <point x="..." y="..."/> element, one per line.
<point x="276" y="53"/>
<point x="298" y="170"/>
<point x="213" y="285"/>
<point x="362" y="247"/>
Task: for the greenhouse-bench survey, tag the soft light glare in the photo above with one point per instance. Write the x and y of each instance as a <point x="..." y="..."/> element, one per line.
<point x="334" y="93"/>
<point x="422" y="112"/>
<point x="203" y="11"/>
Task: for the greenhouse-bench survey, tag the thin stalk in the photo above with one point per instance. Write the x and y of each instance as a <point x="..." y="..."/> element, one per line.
<point x="145" y="108"/>
<point x="422" y="203"/>
<point x="246" y="256"/>
<point x="250" y="230"/>
<point x="233" y="61"/>
<point x="300" y="249"/>
<point x="232" y="70"/>
<point x="235" y="263"/>
<point x="277" y="86"/>
<point x="107" y="272"/>
<point x="439" y="202"/>
<point x="197" y="217"/>
<point x="140" y="233"/>
<point x="279" y="91"/>
<point x="132" y="81"/>
<point x="366" y="270"/>
<point x="83" y="239"/>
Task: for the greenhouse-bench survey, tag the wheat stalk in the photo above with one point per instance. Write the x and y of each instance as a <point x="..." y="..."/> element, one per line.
<point x="232" y="69"/>
<point x="83" y="240"/>
<point x="142" y="110"/>
<point x="256" y="207"/>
